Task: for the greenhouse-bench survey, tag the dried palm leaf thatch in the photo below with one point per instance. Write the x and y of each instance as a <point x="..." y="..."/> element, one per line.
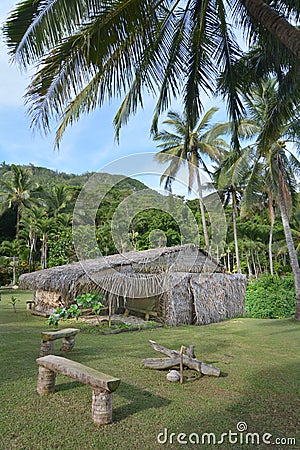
<point x="179" y="300"/>
<point x="205" y="298"/>
<point x="194" y="288"/>
<point x="133" y="274"/>
<point x="218" y="296"/>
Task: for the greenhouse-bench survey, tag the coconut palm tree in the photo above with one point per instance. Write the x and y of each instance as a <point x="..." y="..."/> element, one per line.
<point x="29" y="233"/>
<point x="36" y="226"/>
<point x="11" y="249"/>
<point x="57" y="198"/>
<point x="16" y="191"/>
<point x="45" y="226"/>
<point x="89" y="51"/>
<point x="272" y="154"/>
<point x="230" y="190"/>
<point x="190" y="143"/>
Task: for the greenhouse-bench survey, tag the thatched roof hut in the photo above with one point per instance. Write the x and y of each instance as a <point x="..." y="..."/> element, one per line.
<point x="133" y="278"/>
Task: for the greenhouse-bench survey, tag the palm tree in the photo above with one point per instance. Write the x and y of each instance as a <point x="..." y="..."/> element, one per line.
<point x="36" y="225"/>
<point x="89" y="51"/>
<point x="262" y="196"/>
<point x="17" y="189"/>
<point x="230" y="190"/>
<point x="57" y="198"/>
<point x="281" y="166"/>
<point x="45" y="226"/>
<point x="29" y="233"/>
<point x="189" y="143"/>
<point x="11" y="250"/>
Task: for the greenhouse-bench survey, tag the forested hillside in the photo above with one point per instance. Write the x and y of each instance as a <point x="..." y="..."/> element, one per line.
<point x="36" y="216"/>
<point x="36" y="223"/>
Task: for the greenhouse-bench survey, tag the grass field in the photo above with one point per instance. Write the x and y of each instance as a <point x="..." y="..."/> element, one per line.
<point x="260" y="386"/>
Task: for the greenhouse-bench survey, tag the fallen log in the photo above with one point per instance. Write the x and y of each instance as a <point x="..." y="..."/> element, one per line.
<point x="174" y="359"/>
<point x="160" y="363"/>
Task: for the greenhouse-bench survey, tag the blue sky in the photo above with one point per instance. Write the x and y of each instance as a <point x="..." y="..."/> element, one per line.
<point x="87" y="146"/>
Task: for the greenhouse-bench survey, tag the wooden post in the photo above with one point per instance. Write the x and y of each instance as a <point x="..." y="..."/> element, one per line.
<point x="29" y="304"/>
<point x="181" y="365"/>
<point x="46" y="348"/>
<point x="46" y="381"/>
<point x="102" y="407"/>
<point x="67" y="344"/>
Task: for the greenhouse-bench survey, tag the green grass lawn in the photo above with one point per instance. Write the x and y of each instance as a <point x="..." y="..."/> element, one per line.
<point x="260" y="385"/>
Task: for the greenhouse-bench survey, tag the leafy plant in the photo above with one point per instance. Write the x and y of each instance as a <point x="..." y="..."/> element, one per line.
<point x="57" y="315"/>
<point x="271" y="297"/>
<point x="84" y="301"/>
<point x="91" y="301"/>
<point x="13" y="302"/>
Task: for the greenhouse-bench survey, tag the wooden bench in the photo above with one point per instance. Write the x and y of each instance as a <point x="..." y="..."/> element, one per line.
<point x="48" y="338"/>
<point x="146" y="312"/>
<point x="103" y="385"/>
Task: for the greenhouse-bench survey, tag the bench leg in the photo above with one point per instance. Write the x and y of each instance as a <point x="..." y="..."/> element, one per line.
<point x="46" y="348"/>
<point x="46" y="381"/>
<point x="67" y="344"/>
<point x="102" y="407"/>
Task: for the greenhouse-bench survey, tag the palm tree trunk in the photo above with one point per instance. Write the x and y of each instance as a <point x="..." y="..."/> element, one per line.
<point x="249" y="265"/>
<point x="14" y="282"/>
<point x="254" y="265"/>
<point x="258" y="262"/>
<point x="290" y="245"/>
<point x="236" y="244"/>
<point x="270" y="249"/>
<point x="18" y="221"/>
<point x="44" y="252"/>
<point x="275" y="23"/>
<point x="32" y="250"/>
<point x="272" y="218"/>
<point x="202" y="211"/>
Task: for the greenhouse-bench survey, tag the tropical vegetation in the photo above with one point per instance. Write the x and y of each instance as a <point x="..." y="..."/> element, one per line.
<point x="96" y="51"/>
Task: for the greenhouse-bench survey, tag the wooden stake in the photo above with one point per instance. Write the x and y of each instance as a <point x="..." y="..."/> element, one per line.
<point x="181" y="365"/>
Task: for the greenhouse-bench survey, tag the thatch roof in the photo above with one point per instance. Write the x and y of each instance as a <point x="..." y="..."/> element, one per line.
<point x="133" y="274"/>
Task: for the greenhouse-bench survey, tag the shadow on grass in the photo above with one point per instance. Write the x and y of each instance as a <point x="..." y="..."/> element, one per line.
<point x="136" y="399"/>
<point x="278" y="322"/>
<point x="269" y="407"/>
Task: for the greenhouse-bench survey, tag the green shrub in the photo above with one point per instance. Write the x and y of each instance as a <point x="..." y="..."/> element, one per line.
<point x="271" y="297"/>
<point x="82" y="301"/>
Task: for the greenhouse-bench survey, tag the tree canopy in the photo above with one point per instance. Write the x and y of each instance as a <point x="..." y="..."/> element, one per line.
<point x="86" y="52"/>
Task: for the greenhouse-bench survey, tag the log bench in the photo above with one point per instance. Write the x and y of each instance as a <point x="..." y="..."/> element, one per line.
<point x="103" y="385"/>
<point x="146" y="312"/>
<point x="48" y="338"/>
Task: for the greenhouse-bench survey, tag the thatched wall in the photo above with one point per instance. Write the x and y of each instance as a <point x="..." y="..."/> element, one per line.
<point x="207" y="298"/>
<point x="46" y="301"/>
<point x="179" y="300"/>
